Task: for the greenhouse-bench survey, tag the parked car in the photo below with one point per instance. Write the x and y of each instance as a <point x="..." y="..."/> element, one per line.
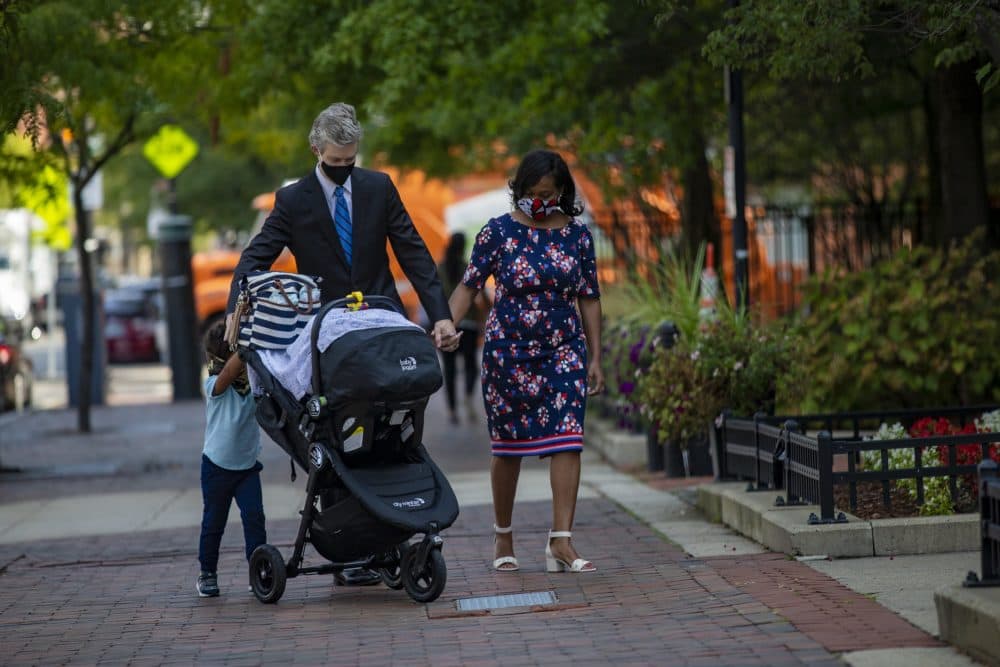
<point x="129" y="327"/>
<point x="15" y="368"/>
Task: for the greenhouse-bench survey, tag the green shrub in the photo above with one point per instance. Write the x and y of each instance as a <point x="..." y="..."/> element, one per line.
<point x="731" y="363"/>
<point x="922" y="328"/>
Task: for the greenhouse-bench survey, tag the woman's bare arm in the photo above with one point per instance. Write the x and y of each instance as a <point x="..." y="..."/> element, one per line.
<point x="590" y="311"/>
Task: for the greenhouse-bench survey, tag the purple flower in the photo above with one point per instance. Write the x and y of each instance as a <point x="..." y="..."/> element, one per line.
<point x="626" y="388"/>
<point x="635" y="351"/>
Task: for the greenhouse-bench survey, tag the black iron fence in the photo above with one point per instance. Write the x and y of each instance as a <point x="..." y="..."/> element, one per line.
<point x="798" y="453"/>
<point x="989" y="504"/>
<point x="752" y="452"/>
<point x="787" y="244"/>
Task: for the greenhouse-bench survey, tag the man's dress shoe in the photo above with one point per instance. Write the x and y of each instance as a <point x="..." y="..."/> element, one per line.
<point x="357" y="576"/>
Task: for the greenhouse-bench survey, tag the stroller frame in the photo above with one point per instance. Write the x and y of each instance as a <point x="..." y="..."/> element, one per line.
<point x="418" y="567"/>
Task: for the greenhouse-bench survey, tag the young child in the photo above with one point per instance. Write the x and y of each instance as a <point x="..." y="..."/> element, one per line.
<point x="229" y="466"/>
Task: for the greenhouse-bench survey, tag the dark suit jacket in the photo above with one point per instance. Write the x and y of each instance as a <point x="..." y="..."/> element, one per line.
<point x="301" y="221"/>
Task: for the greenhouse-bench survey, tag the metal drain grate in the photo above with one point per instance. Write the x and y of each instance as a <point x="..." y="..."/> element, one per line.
<point x="506" y="601"/>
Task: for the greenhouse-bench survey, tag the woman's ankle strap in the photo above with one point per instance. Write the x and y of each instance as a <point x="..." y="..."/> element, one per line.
<point x="502" y="531"/>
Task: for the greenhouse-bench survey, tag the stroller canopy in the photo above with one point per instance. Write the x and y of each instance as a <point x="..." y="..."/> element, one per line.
<point x="369" y="354"/>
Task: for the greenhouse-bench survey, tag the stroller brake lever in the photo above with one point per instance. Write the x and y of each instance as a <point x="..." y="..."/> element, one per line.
<point x="306" y="427"/>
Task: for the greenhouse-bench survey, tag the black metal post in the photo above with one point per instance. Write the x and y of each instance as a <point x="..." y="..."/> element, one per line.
<point x="824" y="459"/>
<point x="734" y="98"/>
<point x="178" y="296"/>
<point x="719" y="439"/>
<point x="988" y="548"/>
<point x="791" y="426"/>
<point x="989" y="528"/>
<point x="666" y="334"/>
<point x="756" y="454"/>
<point x="172" y="196"/>
<point x="655" y="460"/>
<point x="987" y="475"/>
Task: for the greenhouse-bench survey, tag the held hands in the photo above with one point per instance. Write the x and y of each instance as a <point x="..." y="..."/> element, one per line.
<point x="445" y="336"/>
<point x="595" y="379"/>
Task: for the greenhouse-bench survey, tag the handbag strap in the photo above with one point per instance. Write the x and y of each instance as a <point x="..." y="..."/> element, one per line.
<point x="297" y="307"/>
<point x="234" y="322"/>
<point x="256" y="279"/>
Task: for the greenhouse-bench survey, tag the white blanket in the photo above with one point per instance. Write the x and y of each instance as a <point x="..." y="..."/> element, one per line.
<point x="292" y="367"/>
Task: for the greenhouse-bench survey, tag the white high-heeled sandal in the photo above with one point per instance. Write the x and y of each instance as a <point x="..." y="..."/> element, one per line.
<point x="504" y="560"/>
<point x="555" y="564"/>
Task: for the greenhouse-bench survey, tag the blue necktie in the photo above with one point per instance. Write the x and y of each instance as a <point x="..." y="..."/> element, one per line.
<point x="342" y="221"/>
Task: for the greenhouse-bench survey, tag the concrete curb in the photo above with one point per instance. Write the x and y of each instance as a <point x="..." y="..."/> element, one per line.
<point x="620" y="449"/>
<point x="969" y="618"/>
<point x="785" y="529"/>
<point x="926" y="534"/>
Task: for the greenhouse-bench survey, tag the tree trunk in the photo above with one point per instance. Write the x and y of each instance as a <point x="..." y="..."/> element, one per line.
<point x="87" y="308"/>
<point x="933" y="223"/>
<point x="698" y="222"/>
<point x="959" y="103"/>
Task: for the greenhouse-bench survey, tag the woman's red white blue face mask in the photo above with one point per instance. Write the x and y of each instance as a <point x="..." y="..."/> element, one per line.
<point x="538" y="209"/>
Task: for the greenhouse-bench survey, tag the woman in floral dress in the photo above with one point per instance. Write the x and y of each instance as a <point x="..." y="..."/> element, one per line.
<point x="541" y="356"/>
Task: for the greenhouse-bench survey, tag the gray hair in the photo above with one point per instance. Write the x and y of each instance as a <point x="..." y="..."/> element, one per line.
<point x="337" y="124"/>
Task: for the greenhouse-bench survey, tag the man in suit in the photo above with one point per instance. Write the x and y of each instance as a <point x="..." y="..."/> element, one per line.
<point x="336" y="221"/>
<point x="347" y="249"/>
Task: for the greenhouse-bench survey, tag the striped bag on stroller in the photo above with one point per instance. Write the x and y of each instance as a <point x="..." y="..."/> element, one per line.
<point x="271" y="309"/>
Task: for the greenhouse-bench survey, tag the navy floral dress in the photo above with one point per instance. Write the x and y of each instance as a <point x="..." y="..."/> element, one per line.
<point x="534" y="357"/>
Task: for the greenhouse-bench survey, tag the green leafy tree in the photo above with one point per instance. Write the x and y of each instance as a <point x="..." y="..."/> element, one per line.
<point x="87" y="79"/>
<point x="453" y="85"/>
<point x="951" y="44"/>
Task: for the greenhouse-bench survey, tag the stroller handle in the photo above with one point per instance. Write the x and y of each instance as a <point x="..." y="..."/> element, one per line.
<point x="356" y="299"/>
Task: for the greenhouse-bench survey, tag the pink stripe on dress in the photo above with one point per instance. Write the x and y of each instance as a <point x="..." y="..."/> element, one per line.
<point x="549" y="445"/>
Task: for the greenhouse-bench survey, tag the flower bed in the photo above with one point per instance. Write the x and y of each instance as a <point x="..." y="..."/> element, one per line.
<point x="622" y="356"/>
<point x="859" y="463"/>
<point x="937" y="497"/>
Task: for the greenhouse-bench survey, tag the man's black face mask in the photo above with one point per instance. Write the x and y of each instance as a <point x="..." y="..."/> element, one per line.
<point x="337" y="174"/>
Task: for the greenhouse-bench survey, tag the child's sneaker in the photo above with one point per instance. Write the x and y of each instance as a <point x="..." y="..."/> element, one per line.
<point x="208" y="585"/>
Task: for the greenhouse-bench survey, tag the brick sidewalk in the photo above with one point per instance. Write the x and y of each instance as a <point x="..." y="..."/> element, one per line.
<point x="119" y="600"/>
<point x="130" y="598"/>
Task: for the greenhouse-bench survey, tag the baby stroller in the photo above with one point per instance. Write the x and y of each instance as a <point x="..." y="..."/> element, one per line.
<point x="357" y="432"/>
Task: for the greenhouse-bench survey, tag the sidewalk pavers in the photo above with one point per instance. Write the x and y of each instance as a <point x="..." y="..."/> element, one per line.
<point x="117" y="599"/>
<point x="826" y="610"/>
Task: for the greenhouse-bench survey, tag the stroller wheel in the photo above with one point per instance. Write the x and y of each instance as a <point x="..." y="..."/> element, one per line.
<point x="424" y="581"/>
<point x="393" y="576"/>
<point x="267" y="574"/>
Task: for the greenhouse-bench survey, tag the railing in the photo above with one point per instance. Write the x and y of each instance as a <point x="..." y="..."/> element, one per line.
<point x="919" y="472"/>
<point x="779" y="453"/>
<point x="751" y="452"/>
<point x="989" y="504"/>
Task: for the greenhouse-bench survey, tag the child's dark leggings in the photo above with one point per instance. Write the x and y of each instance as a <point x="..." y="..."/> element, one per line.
<point x="219" y="487"/>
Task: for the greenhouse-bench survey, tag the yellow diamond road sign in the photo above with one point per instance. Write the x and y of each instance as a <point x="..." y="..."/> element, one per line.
<point x="170" y="150"/>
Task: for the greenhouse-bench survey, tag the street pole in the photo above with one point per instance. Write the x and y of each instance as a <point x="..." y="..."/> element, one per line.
<point x="736" y="171"/>
<point x="178" y="297"/>
<point x="172" y="196"/>
<point x="170" y="150"/>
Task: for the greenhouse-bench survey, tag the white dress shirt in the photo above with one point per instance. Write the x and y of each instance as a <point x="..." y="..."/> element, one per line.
<point x="328" y="188"/>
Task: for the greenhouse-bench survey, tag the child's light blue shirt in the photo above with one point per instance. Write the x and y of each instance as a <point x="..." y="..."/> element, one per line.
<point x="232" y="437"/>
